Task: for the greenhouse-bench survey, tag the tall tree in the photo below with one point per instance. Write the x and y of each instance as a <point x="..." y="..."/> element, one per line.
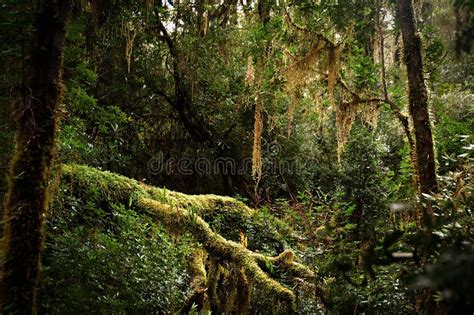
<point x="418" y="98"/>
<point x="30" y="173"/>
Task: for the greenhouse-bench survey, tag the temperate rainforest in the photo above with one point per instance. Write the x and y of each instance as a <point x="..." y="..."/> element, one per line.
<point x="236" y="157"/>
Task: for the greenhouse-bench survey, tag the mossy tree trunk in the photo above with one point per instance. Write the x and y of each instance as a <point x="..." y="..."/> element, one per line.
<point x="30" y="173"/>
<point x="418" y="98"/>
<point x="418" y="107"/>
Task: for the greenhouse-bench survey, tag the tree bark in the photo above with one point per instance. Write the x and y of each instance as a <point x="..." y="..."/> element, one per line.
<point x="418" y="99"/>
<point x="30" y="173"/>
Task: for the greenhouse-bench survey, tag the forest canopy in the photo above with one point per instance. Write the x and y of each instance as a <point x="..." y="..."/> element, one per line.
<point x="236" y="157"/>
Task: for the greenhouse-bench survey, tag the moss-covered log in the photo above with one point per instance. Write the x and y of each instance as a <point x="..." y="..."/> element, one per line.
<point x="221" y="264"/>
<point x="226" y="215"/>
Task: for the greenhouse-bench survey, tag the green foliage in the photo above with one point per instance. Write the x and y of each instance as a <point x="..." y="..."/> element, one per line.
<point x="434" y="51"/>
<point x="117" y="261"/>
<point x="364" y="72"/>
<point x="361" y="181"/>
<point x="335" y="216"/>
<point x="400" y="181"/>
<point x="448" y="244"/>
<point x="454" y="126"/>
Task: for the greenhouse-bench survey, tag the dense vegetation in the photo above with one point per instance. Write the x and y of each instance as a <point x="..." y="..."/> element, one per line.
<point x="236" y="157"/>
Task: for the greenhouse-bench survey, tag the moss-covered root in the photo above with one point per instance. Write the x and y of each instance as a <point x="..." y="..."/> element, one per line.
<point x="198" y="286"/>
<point x="284" y="262"/>
<point x="218" y="247"/>
<point x="229" y="289"/>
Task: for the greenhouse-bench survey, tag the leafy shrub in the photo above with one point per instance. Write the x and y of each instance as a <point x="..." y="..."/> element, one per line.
<point x="110" y="260"/>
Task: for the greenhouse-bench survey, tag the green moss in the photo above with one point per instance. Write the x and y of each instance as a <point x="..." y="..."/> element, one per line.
<point x="214" y="222"/>
<point x="225" y="215"/>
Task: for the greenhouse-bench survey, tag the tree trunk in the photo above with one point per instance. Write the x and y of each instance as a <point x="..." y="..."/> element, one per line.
<point x="30" y="174"/>
<point x="418" y="99"/>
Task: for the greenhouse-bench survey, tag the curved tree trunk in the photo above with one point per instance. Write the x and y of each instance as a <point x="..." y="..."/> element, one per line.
<point x="418" y="98"/>
<point x="30" y="173"/>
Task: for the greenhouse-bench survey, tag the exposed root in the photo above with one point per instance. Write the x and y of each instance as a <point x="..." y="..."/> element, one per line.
<point x="286" y="262"/>
<point x="197" y="271"/>
<point x="217" y="246"/>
